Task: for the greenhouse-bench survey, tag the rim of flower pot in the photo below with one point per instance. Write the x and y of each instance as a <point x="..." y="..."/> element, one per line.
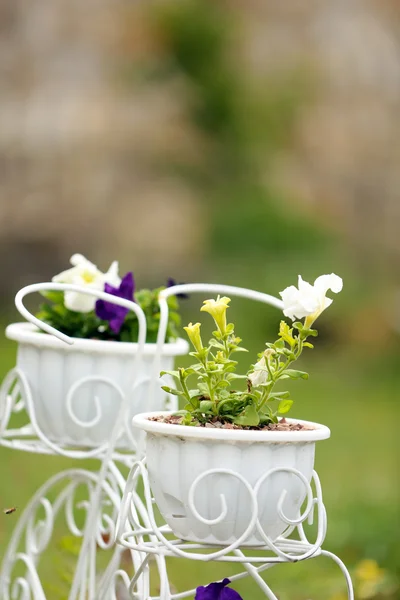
<point x="319" y="432"/>
<point x="30" y="334"/>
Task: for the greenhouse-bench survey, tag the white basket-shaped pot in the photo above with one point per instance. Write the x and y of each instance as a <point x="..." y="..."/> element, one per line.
<point x="73" y="389"/>
<point x="208" y="481"/>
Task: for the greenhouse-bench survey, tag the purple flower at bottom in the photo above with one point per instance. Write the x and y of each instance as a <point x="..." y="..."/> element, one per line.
<point x="114" y="314"/>
<point x="217" y="591"/>
<point x="171" y="282"/>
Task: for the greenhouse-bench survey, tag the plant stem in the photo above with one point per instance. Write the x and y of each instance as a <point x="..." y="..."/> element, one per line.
<point x="278" y="373"/>
<point x="185" y="389"/>
<point x="265" y="396"/>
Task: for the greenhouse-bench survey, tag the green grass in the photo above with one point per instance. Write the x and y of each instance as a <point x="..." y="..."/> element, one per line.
<point x="357" y="397"/>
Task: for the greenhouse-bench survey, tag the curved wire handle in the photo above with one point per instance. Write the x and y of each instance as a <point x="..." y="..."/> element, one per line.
<point x="109" y="447"/>
<point x="163" y="296"/>
<point x="207" y="287"/>
<point x="69" y="287"/>
<point x="199" y="287"/>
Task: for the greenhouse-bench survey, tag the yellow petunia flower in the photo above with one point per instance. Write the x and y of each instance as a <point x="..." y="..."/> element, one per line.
<point x="217" y="309"/>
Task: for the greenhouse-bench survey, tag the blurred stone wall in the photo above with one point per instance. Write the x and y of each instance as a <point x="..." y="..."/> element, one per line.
<point x="345" y="164"/>
<point x="78" y="147"/>
<point x="75" y="148"/>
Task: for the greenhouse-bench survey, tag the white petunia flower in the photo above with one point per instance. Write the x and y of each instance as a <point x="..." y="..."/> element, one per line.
<point x="310" y="300"/>
<point x="258" y="377"/>
<point x="85" y="274"/>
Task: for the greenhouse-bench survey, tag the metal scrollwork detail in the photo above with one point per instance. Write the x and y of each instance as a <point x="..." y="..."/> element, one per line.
<point x="114" y="515"/>
<point x="137" y="530"/>
<point x="36" y="527"/>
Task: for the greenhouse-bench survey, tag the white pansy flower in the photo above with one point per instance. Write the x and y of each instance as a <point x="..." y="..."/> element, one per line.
<point x="85" y="274"/>
<point x="310" y="300"/>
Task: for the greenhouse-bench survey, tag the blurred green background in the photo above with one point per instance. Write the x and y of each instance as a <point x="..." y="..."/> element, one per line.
<point x="240" y="142"/>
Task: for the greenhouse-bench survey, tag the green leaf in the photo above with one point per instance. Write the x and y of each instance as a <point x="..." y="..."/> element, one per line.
<point x="279" y="395"/>
<point x="294" y="374"/>
<point x="53" y="296"/>
<point x="232" y="404"/>
<point x="190" y="371"/>
<point x="194" y="401"/>
<point x="312" y="332"/>
<point x="230" y="328"/>
<point x="249" y="417"/>
<point x="284" y="406"/>
<point x="225" y="407"/>
<point x="203" y="387"/>
<point x="216" y="344"/>
<point x="267" y="384"/>
<point x="186" y="418"/>
<point x="200" y="355"/>
<point x="288" y="353"/>
<point x="265" y="420"/>
<point x="233" y="376"/>
<point x="221" y="384"/>
<point x="206" y="406"/>
<point x="172" y="373"/>
<point x="172" y="391"/>
<point x="308" y="345"/>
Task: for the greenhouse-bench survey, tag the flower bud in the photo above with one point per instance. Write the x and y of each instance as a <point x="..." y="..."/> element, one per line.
<point x="193" y="332"/>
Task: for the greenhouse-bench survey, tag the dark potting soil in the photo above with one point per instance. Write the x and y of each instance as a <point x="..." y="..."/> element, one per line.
<point x="282" y="425"/>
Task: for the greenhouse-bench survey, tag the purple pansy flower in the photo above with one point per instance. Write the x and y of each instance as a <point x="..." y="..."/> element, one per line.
<point x="171" y="282"/>
<point x="114" y="314"/>
<point x="217" y="591"/>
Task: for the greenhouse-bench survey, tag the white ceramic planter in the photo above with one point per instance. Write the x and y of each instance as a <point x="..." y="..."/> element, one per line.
<point x="70" y="403"/>
<point x="177" y="455"/>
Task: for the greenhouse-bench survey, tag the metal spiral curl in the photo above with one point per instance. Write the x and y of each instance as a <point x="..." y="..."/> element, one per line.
<point x="96" y="402"/>
<point x="136" y="523"/>
<point x="12" y="397"/>
<point x="142" y="520"/>
<point x="292" y="523"/>
<point x="29" y="587"/>
<point x="16" y="395"/>
<point x="38" y="534"/>
<point x="36" y="526"/>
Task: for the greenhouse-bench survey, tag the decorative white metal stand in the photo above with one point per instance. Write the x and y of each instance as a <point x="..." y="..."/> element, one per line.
<point x="114" y="510"/>
<point x="146" y="538"/>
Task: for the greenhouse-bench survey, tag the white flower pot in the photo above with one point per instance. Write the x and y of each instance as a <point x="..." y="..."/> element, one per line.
<point x="177" y="455"/>
<point x="72" y="411"/>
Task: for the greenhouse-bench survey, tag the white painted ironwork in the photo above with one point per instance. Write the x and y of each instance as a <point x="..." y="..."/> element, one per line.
<point x="139" y="531"/>
<point x="113" y="508"/>
<point x="16" y="397"/>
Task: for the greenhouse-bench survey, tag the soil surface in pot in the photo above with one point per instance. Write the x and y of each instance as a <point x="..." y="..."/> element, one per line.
<point x="282" y="424"/>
